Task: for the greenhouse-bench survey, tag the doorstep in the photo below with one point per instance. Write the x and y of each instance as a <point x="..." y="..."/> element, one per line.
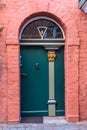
<point x="55" y="120"/>
<point x="45" y="120"/>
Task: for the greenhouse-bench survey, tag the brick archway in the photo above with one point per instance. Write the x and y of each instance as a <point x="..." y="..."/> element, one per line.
<point x="71" y="59"/>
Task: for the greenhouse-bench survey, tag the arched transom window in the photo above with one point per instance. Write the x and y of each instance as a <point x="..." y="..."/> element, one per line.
<point x="41" y="28"/>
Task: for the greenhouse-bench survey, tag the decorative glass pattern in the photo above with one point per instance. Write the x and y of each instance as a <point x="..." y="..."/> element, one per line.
<point x="42" y="29"/>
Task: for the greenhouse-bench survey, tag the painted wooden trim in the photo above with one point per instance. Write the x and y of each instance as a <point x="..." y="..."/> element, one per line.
<point x="51" y="101"/>
<point x="42" y="44"/>
<point x="42" y="41"/>
<point x="51" y="80"/>
<point x="39" y="111"/>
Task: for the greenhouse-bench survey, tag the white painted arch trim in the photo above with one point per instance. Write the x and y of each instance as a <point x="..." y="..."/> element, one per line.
<point x="37" y="18"/>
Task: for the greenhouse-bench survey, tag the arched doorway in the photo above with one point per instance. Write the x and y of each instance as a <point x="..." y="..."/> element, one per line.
<point x="42" y="68"/>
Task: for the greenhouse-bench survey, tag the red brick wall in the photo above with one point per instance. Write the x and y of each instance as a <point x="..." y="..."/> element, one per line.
<point x="74" y="23"/>
<point x="83" y="67"/>
<point x="3" y="74"/>
<point x="13" y="83"/>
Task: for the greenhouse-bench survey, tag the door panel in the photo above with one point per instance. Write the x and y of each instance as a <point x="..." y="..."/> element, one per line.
<point x="59" y="81"/>
<point x="35" y="81"/>
<point x="34" y="85"/>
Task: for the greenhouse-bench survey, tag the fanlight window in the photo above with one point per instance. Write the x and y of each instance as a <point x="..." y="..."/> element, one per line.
<point x="42" y="29"/>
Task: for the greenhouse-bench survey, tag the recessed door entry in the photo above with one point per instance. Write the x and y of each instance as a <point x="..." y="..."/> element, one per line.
<point x="35" y="81"/>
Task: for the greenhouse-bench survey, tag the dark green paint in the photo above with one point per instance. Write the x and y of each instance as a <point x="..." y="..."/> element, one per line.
<point x="59" y="81"/>
<point x="34" y="86"/>
<point x="42" y="41"/>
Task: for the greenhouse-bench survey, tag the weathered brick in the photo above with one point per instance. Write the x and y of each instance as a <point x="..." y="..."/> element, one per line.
<point x="74" y="23"/>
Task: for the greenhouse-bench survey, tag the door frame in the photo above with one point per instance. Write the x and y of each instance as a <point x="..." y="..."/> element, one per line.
<point x="49" y="45"/>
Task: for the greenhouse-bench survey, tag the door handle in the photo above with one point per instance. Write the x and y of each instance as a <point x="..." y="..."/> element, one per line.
<point x="37" y="65"/>
<point x="24" y="74"/>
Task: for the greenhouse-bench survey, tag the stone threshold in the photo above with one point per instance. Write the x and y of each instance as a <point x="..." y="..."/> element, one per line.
<point x="45" y="120"/>
<point x="55" y="120"/>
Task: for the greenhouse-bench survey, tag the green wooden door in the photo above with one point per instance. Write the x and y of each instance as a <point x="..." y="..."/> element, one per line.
<point x="59" y="82"/>
<point x="34" y="81"/>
